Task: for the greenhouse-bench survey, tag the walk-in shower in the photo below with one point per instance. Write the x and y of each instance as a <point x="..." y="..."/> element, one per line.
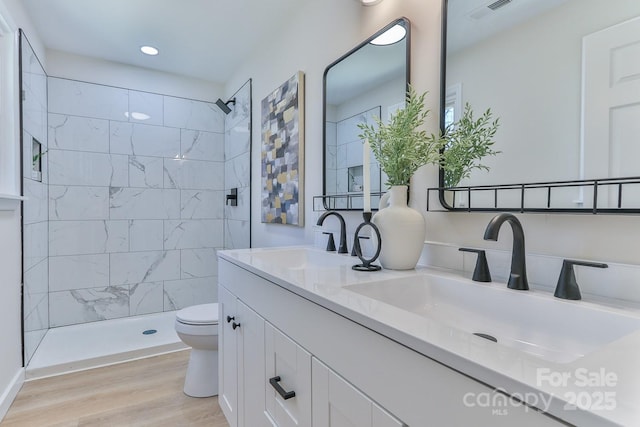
<point x="127" y="215"/>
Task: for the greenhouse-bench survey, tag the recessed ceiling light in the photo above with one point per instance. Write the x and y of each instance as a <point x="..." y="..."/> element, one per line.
<point x="369" y="2"/>
<point x="391" y="36"/>
<point x="149" y="50"/>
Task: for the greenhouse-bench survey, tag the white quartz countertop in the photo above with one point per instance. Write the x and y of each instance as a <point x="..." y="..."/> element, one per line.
<point x="600" y="388"/>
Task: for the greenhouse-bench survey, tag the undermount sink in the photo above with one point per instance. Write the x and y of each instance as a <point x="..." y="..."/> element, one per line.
<point x="300" y="258"/>
<point x="538" y="324"/>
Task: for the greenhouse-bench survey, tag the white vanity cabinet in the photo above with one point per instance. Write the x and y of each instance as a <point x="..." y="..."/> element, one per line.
<point x="288" y="366"/>
<point x="253" y="354"/>
<point x="256" y="358"/>
<point x="241" y="362"/>
<point x="228" y="353"/>
<point x="337" y="403"/>
<point x="342" y="373"/>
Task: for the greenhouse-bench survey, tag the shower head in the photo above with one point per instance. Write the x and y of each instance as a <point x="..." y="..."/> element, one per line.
<point x="224" y="105"/>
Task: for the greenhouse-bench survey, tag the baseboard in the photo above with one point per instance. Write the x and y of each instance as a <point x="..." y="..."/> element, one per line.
<point x="10" y="393"/>
<point x="101" y="361"/>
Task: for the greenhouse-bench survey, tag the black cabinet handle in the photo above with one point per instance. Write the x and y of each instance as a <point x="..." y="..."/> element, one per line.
<point x="229" y="319"/>
<point x="275" y="383"/>
<point x="235" y="325"/>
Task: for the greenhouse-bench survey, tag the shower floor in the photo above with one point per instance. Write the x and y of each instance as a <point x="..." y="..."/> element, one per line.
<point x="89" y="345"/>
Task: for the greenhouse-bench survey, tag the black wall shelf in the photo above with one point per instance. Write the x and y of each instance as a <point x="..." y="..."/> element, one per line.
<point x="594" y="196"/>
<point x="348" y="201"/>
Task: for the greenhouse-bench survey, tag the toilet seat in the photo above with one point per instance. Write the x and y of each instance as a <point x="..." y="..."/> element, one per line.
<point x="202" y="314"/>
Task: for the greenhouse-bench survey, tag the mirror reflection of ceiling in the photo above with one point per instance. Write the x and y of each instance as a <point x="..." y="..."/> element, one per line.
<point x="380" y="64"/>
<point x="476" y="20"/>
<point x="525" y="61"/>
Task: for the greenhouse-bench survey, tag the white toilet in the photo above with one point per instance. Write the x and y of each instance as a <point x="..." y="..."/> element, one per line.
<point x="197" y="327"/>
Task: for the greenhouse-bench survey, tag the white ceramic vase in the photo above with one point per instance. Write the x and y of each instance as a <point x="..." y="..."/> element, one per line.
<point x="401" y="229"/>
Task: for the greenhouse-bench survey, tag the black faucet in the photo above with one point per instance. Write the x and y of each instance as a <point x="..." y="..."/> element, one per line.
<point x="518" y="276"/>
<point x="343" y="230"/>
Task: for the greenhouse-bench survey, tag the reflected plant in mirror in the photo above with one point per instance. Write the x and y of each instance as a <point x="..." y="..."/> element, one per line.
<point x="562" y="75"/>
<point x="466" y="142"/>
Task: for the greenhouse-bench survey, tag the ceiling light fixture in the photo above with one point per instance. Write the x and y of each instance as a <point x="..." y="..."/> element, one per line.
<point x="391" y="36"/>
<point x="370" y="2"/>
<point x="137" y="116"/>
<point x="149" y="50"/>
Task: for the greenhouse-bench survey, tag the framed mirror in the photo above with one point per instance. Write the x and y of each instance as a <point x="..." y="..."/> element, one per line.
<point x="369" y="81"/>
<point x="563" y="77"/>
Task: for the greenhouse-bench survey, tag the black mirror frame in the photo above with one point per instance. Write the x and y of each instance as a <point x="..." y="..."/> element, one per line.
<point x="584" y="183"/>
<point x="443" y="97"/>
<point x="407" y="23"/>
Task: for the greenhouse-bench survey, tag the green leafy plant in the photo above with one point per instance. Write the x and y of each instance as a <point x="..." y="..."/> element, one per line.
<point x="466" y="142"/>
<point x="37" y="157"/>
<point x="400" y="146"/>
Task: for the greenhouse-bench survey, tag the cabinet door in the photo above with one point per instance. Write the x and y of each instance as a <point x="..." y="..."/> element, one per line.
<point x="292" y="364"/>
<point x="336" y="403"/>
<point x="251" y="372"/>
<point x="227" y="356"/>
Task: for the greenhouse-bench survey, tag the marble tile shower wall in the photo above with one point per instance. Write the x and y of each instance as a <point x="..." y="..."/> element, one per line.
<point x="136" y="204"/>
<point x="35" y="210"/>
<point x="238" y="170"/>
<point x="344" y="157"/>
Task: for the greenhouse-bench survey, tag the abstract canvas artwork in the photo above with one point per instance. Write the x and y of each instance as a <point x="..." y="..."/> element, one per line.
<point x="282" y="157"/>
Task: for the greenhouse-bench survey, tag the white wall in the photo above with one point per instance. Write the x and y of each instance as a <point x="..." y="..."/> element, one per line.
<point x="11" y="372"/>
<point x="322" y="32"/>
<point x="22" y="20"/>
<point x="93" y="70"/>
<point x="10" y="310"/>
<point x="326" y="30"/>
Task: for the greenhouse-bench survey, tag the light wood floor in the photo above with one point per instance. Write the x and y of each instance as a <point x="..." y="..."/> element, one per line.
<point x="146" y="392"/>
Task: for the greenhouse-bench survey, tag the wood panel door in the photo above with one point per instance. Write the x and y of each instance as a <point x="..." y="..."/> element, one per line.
<point x="611" y="108"/>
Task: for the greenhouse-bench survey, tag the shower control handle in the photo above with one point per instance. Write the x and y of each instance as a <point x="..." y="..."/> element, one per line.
<point x="235" y="325"/>
<point x="232" y="197"/>
<point x="230" y="318"/>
